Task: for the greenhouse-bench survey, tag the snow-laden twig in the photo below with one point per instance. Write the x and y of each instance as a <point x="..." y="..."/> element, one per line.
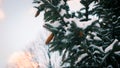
<point x="110" y="47"/>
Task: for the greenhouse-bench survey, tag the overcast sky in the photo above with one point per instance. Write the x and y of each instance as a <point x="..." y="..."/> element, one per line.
<point x="18" y="26"/>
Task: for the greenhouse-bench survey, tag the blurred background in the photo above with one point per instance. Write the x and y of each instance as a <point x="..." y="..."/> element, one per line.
<point x="18" y="27"/>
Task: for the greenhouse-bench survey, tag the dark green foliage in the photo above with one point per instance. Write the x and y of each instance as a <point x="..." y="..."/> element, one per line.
<point x="88" y="47"/>
<point x="86" y="4"/>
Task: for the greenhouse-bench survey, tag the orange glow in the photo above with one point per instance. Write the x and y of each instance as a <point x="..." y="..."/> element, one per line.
<point x="2" y="14"/>
<point x="22" y="60"/>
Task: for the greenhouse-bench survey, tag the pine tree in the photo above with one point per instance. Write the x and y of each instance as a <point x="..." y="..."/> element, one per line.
<point x="97" y="45"/>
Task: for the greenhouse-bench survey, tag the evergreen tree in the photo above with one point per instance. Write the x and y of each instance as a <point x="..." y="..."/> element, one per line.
<point x="97" y="45"/>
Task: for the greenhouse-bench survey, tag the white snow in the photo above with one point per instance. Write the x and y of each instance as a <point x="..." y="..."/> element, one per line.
<point x="55" y="24"/>
<point x="61" y="3"/>
<point x="96" y="52"/>
<point x="88" y="37"/>
<point x="93" y="33"/>
<point x="81" y="57"/>
<point x="98" y="25"/>
<point x="67" y="33"/>
<point x="67" y="20"/>
<point x="74" y="5"/>
<point x="110" y="47"/>
<point x="97" y="38"/>
<point x="62" y="12"/>
<point x="47" y="10"/>
<point x="98" y="47"/>
<point x="64" y="40"/>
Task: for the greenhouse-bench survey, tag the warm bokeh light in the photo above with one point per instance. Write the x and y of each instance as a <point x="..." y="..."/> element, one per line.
<point x="22" y="60"/>
<point x="2" y="15"/>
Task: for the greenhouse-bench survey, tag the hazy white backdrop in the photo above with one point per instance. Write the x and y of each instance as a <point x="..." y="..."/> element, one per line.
<point x="19" y="27"/>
